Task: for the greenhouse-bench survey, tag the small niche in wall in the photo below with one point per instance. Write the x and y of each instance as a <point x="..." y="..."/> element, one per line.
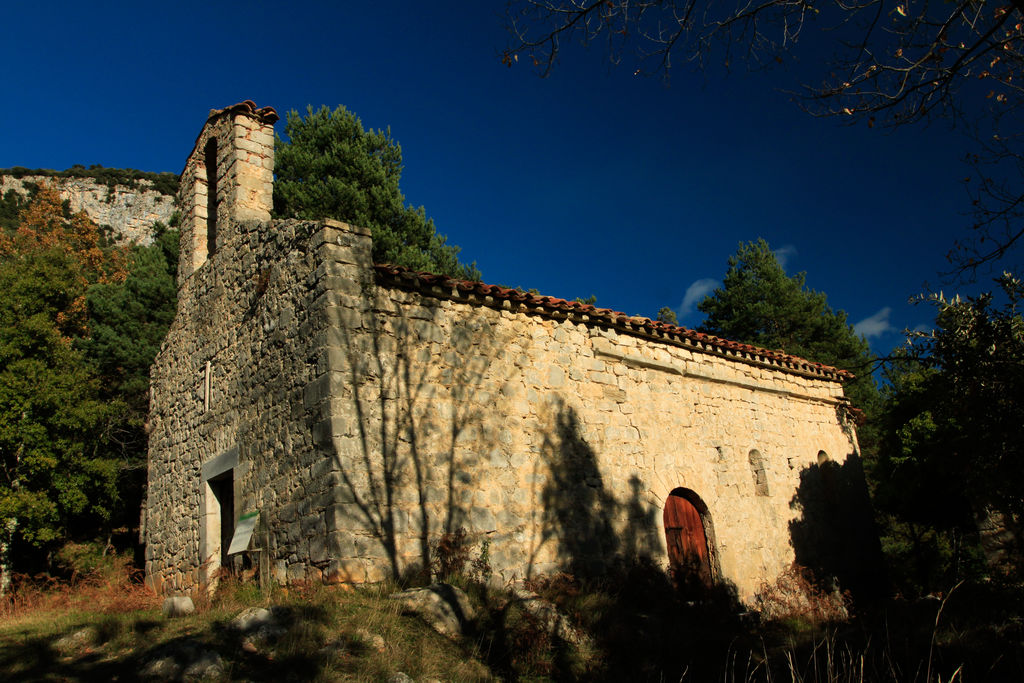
<point x="758" y="472"/>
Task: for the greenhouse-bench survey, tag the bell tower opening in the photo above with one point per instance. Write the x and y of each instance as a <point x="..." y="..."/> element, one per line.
<point x="210" y="161"/>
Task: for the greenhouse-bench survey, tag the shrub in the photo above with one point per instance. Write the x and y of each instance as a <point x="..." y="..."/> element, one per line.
<point x="794" y="595"/>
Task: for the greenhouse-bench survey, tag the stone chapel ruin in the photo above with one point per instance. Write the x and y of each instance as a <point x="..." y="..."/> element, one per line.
<point x="350" y="413"/>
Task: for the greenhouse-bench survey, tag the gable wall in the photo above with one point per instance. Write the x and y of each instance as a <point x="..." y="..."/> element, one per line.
<point x="255" y="313"/>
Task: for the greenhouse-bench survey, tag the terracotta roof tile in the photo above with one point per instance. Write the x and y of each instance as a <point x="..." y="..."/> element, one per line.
<point x="266" y="115"/>
<point x="429" y="283"/>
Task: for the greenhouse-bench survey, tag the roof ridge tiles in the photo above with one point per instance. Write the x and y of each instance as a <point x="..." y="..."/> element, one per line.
<point x="632" y="323"/>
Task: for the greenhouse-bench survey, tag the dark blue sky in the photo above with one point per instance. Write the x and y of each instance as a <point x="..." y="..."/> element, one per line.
<point x="591" y="181"/>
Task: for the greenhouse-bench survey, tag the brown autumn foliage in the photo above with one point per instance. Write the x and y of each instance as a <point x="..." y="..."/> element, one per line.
<point x="43" y="228"/>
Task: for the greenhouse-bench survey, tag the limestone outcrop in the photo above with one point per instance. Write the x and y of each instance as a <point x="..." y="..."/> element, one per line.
<point x="130" y="212"/>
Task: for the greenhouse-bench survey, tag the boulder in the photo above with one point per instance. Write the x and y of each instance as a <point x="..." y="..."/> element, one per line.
<point x="553" y="621"/>
<point x="178" y="606"/>
<point x="444" y="607"/>
<point x="183" y="659"/>
<point x="260" y="624"/>
<point x="79" y="640"/>
<point x="373" y="641"/>
<point x="252" y="619"/>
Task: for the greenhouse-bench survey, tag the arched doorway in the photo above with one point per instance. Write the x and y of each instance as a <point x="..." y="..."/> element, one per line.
<point x="689" y="553"/>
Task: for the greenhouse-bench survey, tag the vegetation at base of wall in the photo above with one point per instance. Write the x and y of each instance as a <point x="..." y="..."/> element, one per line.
<point x="632" y="626"/>
<point x="164" y="183"/>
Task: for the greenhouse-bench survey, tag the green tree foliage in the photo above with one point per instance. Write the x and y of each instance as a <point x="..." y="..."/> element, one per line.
<point x="330" y="167"/>
<point x="128" y="320"/>
<point x="12" y="203"/>
<point x="951" y="446"/>
<point x="667" y="315"/>
<point x="759" y="304"/>
<point x="59" y="469"/>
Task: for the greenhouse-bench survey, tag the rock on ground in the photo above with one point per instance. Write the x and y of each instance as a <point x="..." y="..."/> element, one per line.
<point x="178" y="606"/>
<point x="184" y="659"/>
<point x="444" y="607"/>
<point x="548" y="615"/>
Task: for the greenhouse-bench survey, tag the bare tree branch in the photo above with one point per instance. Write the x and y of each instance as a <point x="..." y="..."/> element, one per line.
<point x="901" y="62"/>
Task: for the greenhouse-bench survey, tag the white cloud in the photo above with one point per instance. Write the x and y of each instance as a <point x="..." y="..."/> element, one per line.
<point x="783" y="254"/>
<point x="875" y="325"/>
<point x="695" y="293"/>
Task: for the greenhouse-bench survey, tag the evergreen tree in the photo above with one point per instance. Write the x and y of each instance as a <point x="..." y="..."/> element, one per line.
<point x="330" y="167"/>
<point x="667" y="315"/>
<point x="759" y="304"/>
<point x="129" y="319"/>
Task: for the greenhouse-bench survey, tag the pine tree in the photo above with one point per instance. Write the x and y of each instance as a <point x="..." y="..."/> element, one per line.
<point x="759" y="304"/>
<point x="330" y="167"/>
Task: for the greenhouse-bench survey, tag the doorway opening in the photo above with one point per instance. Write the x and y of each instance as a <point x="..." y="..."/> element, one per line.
<point x="222" y="527"/>
<point x="689" y="539"/>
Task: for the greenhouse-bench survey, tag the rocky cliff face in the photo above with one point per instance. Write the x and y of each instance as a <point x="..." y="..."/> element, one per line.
<point x="129" y="211"/>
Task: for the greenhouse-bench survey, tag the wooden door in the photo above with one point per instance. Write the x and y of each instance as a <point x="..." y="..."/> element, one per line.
<point x="688" y="555"/>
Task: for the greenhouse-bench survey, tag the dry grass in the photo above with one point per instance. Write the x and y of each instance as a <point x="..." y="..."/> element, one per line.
<point x="96" y="628"/>
<point x="115" y="588"/>
<point x="105" y="626"/>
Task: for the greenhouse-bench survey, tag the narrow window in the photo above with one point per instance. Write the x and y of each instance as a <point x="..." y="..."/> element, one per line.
<point x="207" y="387"/>
<point x="210" y="159"/>
<point x="758" y="471"/>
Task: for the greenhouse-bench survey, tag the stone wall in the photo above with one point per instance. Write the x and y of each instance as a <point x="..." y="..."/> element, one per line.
<point x="364" y="411"/>
<point x="129" y="211"/>
<point x="228" y="386"/>
<point x="366" y="418"/>
<point x="557" y="440"/>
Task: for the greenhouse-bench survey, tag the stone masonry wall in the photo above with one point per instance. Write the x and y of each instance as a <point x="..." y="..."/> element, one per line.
<point x="368" y="419"/>
<point x="258" y="325"/>
<point x="557" y="441"/>
<point x="130" y="212"/>
<point x="363" y="414"/>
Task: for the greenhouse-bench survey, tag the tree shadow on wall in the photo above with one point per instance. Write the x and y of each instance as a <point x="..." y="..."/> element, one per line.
<point x="407" y="404"/>
<point x="607" y="539"/>
<point x="835" y="536"/>
<point x="577" y="510"/>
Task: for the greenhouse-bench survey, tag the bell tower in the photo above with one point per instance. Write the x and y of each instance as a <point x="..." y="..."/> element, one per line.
<point x="228" y="178"/>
